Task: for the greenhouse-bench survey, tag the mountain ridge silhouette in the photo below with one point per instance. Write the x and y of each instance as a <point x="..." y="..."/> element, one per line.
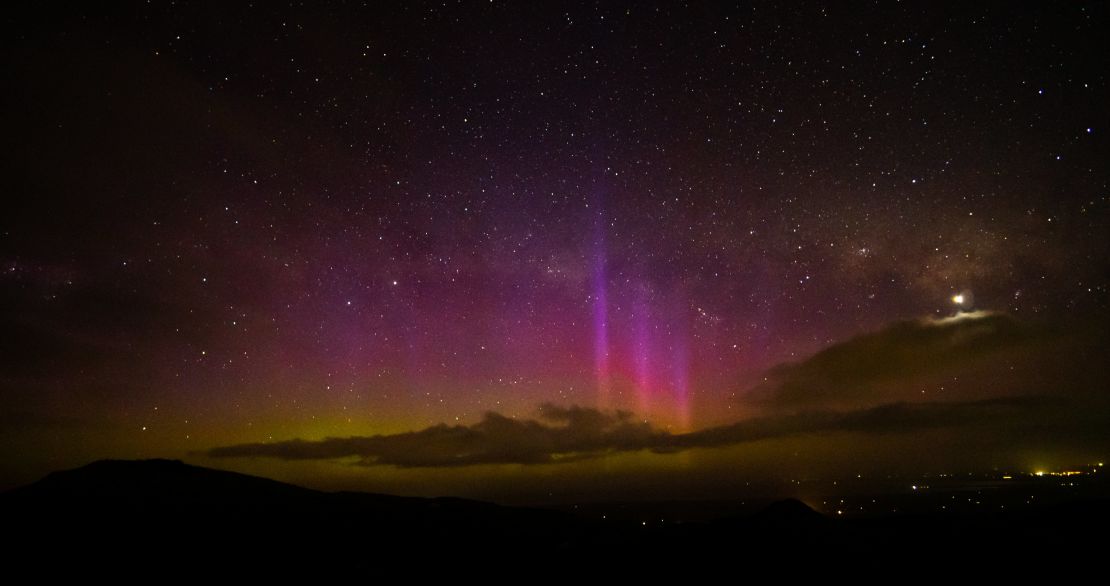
<point x="160" y="512"/>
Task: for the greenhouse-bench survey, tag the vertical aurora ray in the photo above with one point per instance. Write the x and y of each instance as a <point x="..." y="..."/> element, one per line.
<point x="680" y="378"/>
<point x="680" y="370"/>
<point x="642" y="355"/>
<point x="599" y="294"/>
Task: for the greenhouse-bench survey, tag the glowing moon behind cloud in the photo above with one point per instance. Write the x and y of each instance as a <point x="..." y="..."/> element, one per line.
<point x="963" y="299"/>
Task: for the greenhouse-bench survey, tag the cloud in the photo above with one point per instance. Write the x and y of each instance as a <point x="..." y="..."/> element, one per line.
<point x="561" y="433"/>
<point x="969" y="357"/>
<point x="588" y="433"/>
<point x="984" y="376"/>
<point x="1007" y="417"/>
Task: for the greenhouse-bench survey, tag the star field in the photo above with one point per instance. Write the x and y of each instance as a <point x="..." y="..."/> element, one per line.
<point x="254" y="222"/>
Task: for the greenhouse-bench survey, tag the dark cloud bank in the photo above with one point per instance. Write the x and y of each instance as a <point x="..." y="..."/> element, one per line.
<point x="987" y="376"/>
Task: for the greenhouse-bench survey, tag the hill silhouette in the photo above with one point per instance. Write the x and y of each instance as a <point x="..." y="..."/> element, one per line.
<point x="161" y="481"/>
<point x="161" y="510"/>
<point x="788" y="513"/>
<point x="156" y="513"/>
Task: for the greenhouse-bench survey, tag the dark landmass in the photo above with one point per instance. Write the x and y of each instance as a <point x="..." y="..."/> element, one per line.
<point x="114" y="515"/>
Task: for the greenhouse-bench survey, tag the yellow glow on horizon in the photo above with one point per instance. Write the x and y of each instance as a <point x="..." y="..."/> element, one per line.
<point x="958" y="299"/>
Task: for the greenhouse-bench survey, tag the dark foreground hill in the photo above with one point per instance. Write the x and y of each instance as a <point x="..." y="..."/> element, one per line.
<point x="159" y="513"/>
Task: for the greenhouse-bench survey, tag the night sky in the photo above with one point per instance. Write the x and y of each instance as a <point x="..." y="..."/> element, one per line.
<point x="523" y="250"/>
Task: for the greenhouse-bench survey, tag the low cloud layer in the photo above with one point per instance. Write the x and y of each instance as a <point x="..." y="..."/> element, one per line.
<point x="559" y="434"/>
<point x="983" y="376"/>
<point x="588" y="433"/>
